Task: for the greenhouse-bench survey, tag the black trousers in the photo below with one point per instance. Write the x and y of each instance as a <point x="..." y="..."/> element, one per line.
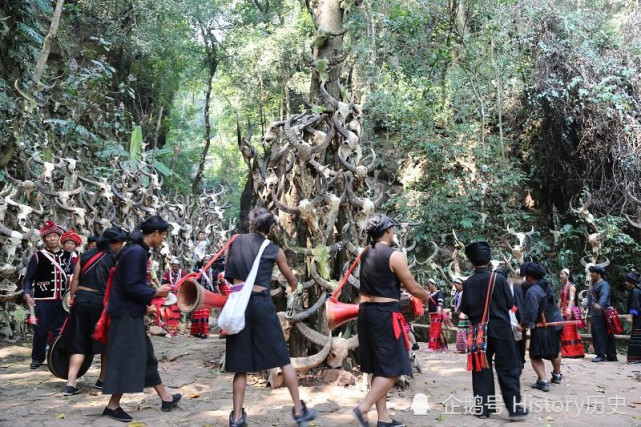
<point x="604" y="344"/>
<point x="507" y="362"/>
<point x="50" y="316"/>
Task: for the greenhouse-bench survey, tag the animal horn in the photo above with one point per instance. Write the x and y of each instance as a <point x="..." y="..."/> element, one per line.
<point x="311" y="310"/>
<point x="304" y="363"/>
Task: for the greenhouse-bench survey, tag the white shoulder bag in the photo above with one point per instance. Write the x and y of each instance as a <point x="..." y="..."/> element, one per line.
<point x="232" y="317"/>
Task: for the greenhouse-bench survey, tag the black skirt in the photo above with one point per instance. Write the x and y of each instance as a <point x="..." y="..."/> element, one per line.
<point x="261" y="345"/>
<point x="381" y="353"/>
<point x="545" y="343"/>
<point x="131" y="363"/>
<point x="83" y="315"/>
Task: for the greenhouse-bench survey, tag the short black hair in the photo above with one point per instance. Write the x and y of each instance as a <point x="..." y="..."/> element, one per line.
<point x="261" y="220"/>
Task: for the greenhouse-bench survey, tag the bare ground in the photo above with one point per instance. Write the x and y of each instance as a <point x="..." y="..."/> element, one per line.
<point x="607" y="394"/>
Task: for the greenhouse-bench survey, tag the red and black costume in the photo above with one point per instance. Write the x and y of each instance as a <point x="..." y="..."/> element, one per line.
<point x="172" y="312"/>
<point x="436" y="337"/>
<point x="571" y="343"/>
<point x="46" y="282"/>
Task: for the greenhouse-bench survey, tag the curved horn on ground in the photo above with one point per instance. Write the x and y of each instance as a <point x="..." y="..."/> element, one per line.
<point x="304" y="363"/>
<point x="311" y="334"/>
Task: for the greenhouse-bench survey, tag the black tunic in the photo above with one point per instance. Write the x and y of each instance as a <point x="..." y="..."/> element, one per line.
<point x="473" y="303"/>
<point x="502" y="352"/>
<point x="242" y="253"/>
<point x="535" y="304"/>
<point x="436" y="301"/>
<point x="261" y="344"/>
<point x="377" y="279"/>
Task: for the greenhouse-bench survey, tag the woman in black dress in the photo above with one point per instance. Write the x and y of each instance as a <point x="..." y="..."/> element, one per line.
<point x="88" y="288"/>
<point x="261" y="344"/>
<point x="131" y="363"/>
<point x="382" y="345"/>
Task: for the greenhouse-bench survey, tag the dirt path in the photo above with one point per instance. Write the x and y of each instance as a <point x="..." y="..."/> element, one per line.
<point x="607" y="394"/>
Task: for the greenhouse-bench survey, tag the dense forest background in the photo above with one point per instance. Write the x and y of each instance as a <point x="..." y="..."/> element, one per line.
<point x="483" y="114"/>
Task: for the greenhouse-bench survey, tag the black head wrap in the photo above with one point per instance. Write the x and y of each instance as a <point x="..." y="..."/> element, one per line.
<point x="523" y="269"/>
<point x="479" y="253"/>
<point x="92" y="239"/>
<point x="115" y="234"/>
<point x="633" y="278"/>
<point x="378" y="224"/>
<point x="535" y="270"/>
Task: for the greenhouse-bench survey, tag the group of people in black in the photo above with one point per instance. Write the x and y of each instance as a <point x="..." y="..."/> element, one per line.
<point x="129" y="364"/>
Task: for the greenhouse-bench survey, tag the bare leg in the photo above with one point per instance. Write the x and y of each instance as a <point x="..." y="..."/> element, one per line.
<point x="75" y="362"/>
<point x="114" y="401"/>
<point x="103" y="364"/>
<point x="163" y="393"/>
<point x="411" y="337"/>
<point x="291" y="381"/>
<point x="378" y="390"/>
<point x="556" y="364"/>
<point x="239" y="385"/>
<point x="539" y="368"/>
<point x="381" y="410"/>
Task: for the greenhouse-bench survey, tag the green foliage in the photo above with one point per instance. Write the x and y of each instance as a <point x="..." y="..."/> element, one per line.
<point x="135" y="144"/>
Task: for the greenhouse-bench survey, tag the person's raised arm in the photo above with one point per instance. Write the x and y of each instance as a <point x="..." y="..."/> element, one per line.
<point x="281" y="262"/>
<point x="398" y="264"/>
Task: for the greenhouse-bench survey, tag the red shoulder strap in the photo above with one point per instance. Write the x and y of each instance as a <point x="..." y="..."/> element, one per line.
<point x="91" y="261"/>
<point x="337" y="292"/>
<point x="490" y="289"/>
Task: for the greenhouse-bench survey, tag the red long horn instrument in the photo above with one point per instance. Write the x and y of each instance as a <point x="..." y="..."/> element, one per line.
<point x="192" y="296"/>
<point x="339" y="312"/>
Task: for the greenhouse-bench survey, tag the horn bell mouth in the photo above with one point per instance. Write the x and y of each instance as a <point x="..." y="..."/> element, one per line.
<point x="190" y="295"/>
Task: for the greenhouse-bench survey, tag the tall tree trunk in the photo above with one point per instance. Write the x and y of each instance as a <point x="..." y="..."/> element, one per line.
<point x="328" y="18"/>
<point x="198" y="179"/>
<point x="46" y="46"/>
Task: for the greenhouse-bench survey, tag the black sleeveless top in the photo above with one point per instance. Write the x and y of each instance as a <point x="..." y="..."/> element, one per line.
<point x="377" y="279"/>
<point x="95" y="277"/>
<point x="242" y="254"/>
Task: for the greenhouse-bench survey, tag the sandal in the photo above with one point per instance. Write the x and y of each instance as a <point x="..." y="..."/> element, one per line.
<point x="362" y="422"/>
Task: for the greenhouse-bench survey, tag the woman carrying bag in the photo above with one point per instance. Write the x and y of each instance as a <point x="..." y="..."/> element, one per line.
<point x="260" y="345"/>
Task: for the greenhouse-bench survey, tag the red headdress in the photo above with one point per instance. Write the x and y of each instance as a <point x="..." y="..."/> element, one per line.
<point x="71" y="235"/>
<point x="49" y="228"/>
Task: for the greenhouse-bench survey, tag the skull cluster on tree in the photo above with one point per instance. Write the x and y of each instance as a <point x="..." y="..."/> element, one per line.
<point x="89" y="204"/>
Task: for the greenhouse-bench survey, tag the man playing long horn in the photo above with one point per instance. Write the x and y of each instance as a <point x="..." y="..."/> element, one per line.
<point x="383" y="343"/>
<point x="261" y="344"/>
